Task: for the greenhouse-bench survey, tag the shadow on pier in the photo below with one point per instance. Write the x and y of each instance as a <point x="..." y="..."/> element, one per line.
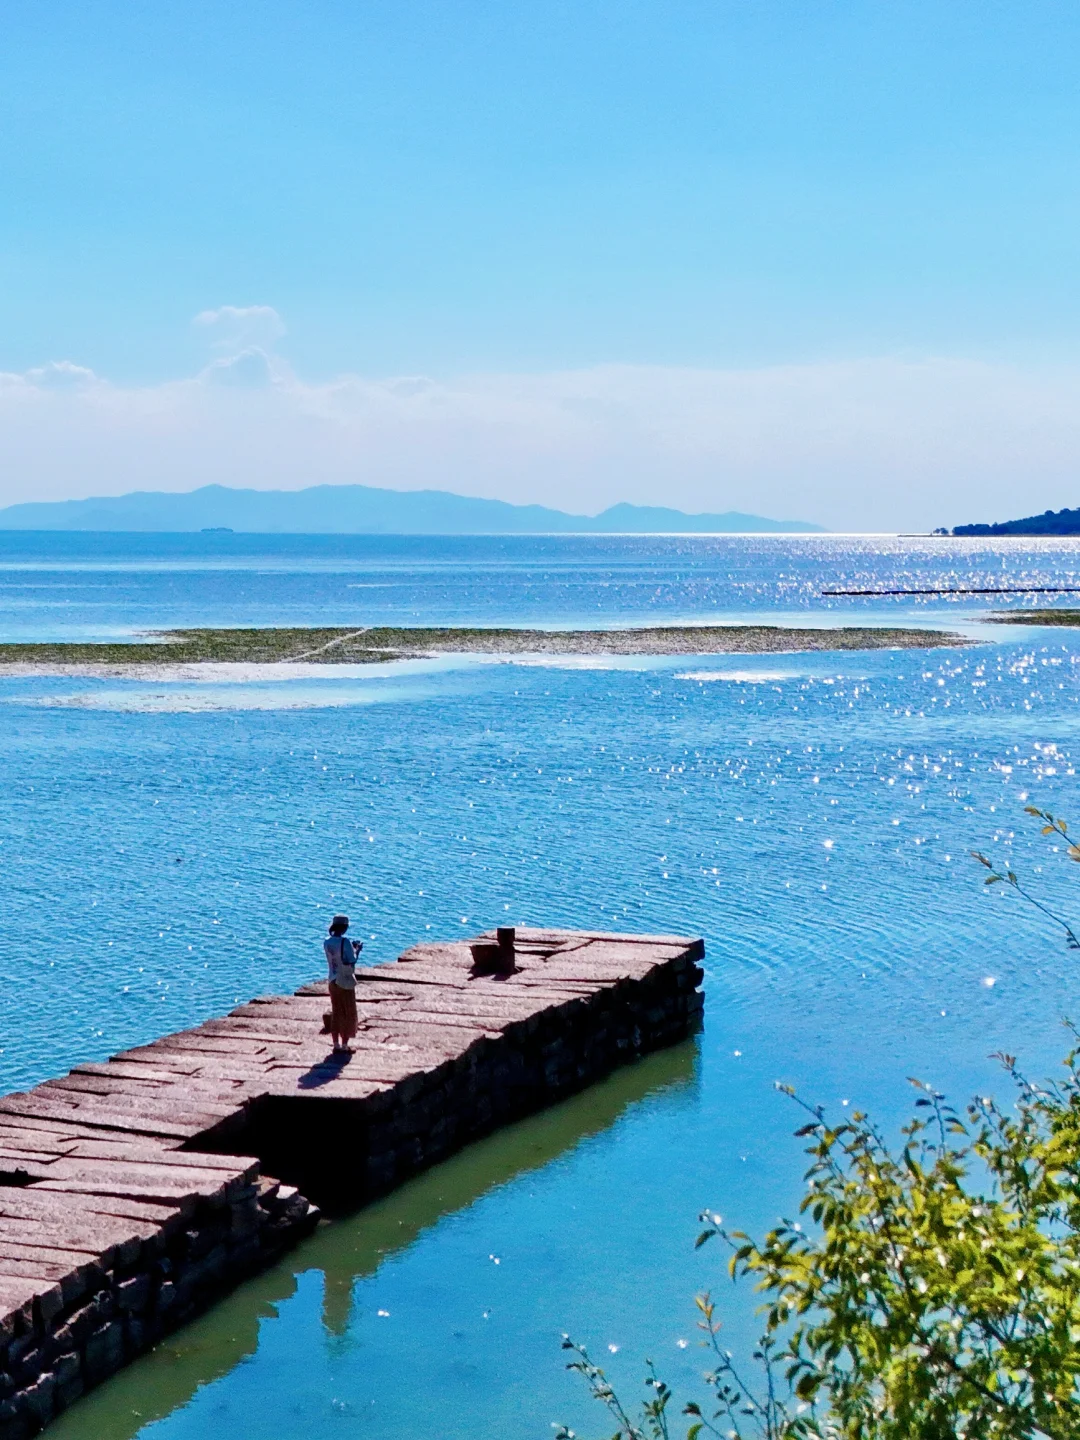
<point x="354" y="1247"/>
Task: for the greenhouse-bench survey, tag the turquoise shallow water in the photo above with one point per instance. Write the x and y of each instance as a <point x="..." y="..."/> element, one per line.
<point x="170" y="846"/>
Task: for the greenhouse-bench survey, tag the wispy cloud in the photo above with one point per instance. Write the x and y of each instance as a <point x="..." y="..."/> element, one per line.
<point x="250" y="368"/>
<point x="234" y="327"/>
<point x="877" y="443"/>
<point x="59" y="375"/>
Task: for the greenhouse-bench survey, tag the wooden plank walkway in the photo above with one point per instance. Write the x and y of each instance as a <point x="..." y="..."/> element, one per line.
<point x="135" y="1190"/>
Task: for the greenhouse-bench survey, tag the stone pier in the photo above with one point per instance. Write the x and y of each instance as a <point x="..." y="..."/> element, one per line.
<point x="135" y="1191"/>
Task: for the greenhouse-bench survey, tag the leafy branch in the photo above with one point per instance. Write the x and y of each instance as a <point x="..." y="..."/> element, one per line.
<point x="934" y="1291"/>
<point x="1053" y="826"/>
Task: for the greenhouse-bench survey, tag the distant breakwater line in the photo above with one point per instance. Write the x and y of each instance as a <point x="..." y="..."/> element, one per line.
<point x="135" y="1192"/>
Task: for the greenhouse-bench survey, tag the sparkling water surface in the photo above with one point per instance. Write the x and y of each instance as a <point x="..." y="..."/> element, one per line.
<point x="171" y="846"/>
<point x="105" y="587"/>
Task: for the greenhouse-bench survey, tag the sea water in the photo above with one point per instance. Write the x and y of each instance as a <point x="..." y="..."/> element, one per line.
<point x="103" y="587"/>
<point x="172" y="845"/>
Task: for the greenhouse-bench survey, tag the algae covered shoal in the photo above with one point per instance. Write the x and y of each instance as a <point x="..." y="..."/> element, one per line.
<point x="338" y="646"/>
<point x="1035" y="617"/>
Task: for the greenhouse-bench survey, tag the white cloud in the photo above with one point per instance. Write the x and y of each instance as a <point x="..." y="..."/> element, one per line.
<point x="234" y="327"/>
<point x="250" y="368"/>
<point x="60" y="375"/>
<point x="879" y="443"/>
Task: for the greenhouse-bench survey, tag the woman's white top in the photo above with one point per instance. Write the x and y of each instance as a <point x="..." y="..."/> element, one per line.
<point x="341" y="961"/>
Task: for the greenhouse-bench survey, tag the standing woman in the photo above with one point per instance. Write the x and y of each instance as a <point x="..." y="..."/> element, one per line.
<point x="341" y="955"/>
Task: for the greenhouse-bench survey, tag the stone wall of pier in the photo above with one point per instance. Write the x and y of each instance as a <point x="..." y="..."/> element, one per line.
<point x="71" y="1335"/>
<point x="345" y="1151"/>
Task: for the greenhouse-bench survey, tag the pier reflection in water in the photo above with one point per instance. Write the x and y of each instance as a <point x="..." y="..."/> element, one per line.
<point x="352" y="1249"/>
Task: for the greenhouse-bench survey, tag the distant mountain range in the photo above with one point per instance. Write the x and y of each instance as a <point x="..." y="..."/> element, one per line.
<point x="362" y="510"/>
<point x="1050" y="522"/>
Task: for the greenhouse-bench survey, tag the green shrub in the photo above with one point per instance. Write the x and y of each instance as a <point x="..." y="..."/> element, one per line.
<point x="934" y="1292"/>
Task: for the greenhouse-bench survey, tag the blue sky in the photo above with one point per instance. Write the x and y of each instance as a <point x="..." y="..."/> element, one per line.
<point x="541" y="188"/>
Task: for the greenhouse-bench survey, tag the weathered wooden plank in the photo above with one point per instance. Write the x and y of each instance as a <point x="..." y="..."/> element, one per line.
<point x="70" y="1224"/>
<point x="20" y="1170"/>
<point x="70" y="1258"/>
<point x="679" y="943"/>
<point x="159" y="1115"/>
<point x="150" y="1094"/>
<point x="17" y="1296"/>
<point x="160" y="1055"/>
<point x="383" y="994"/>
<point x="552" y="988"/>
<point x="223" y="1088"/>
<point x="507" y="1006"/>
<point x="432" y="1032"/>
<point x="109" y="1243"/>
<point x="578" y="974"/>
<point x="298" y="1008"/>
<point x="438" y="952"/>
<point x="352" y="1087"/>
<point x="38" y="1107"/>
<point x="234" y="1027"/>
<point x="422" y="972"/>
<point x="246" y="1167"/>
<point x="127" y="1095"/>
<point x="46" y="1272"/>
<point x="30" y="1201"/>
<point x="268" y="1028"/>
<point x="65" y="1132"/>
<point x="365" y="1065"/>
<point x="15" y="1153"/>
<point x="196" y="1043"/>
<point x="175" y="1166"/>
<point x="125" y="1177"/>
<point x="185" y="1201"/>
<point x="219" y="1062"/>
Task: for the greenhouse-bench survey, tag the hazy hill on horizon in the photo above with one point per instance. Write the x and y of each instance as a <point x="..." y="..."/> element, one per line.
<point x="363" y="509"/>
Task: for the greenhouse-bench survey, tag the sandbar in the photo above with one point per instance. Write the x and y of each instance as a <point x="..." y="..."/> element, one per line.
<point x="373" y="645"/>
<point x="1034" y="617"/>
